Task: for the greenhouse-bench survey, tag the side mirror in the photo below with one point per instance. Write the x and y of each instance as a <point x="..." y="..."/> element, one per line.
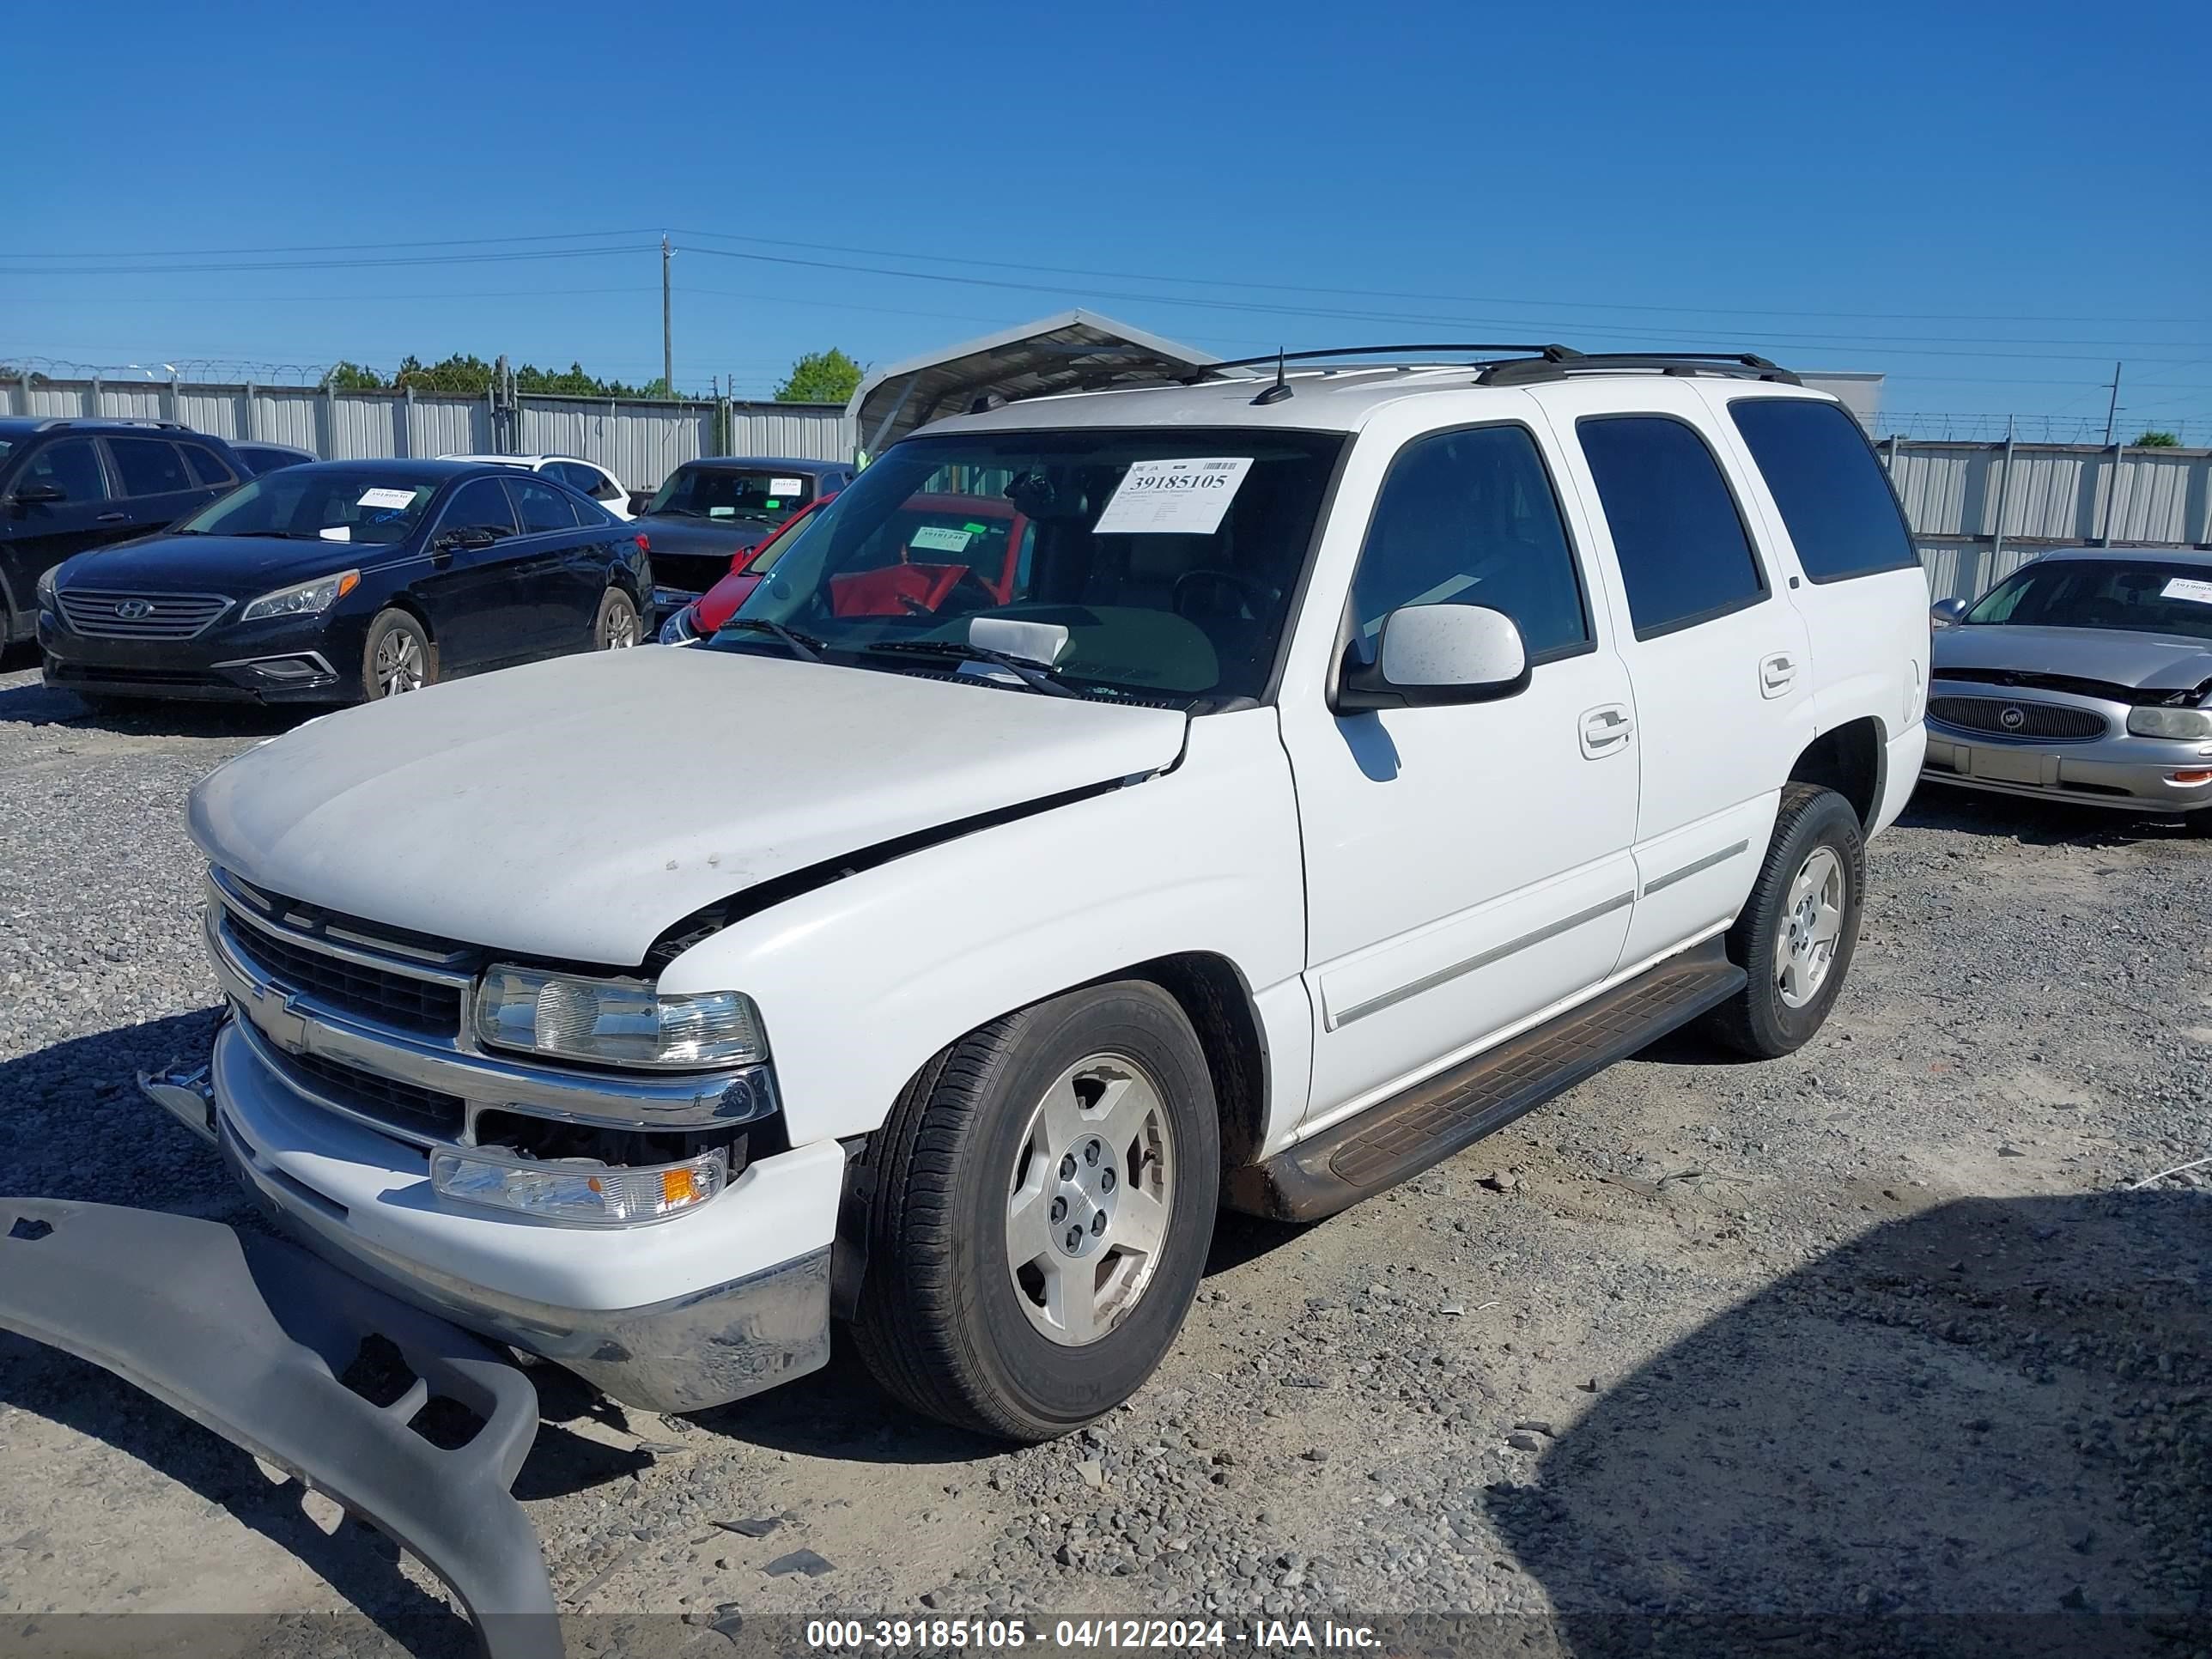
<point x="470" y="536"/>
<point x="1435" y="655"/>
<point x="30" y="495"/>
<point x="1946" y="613"/>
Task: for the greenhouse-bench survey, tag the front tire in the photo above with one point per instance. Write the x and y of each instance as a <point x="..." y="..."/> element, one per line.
<point x="618" y="627"/>
<point x="398" y="657"/>
<point x="1797" y="931"/>
<point x="1043" y="1199"/>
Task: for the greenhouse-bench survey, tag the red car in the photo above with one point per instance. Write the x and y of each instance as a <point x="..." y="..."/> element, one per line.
<point x="914" y="577"/>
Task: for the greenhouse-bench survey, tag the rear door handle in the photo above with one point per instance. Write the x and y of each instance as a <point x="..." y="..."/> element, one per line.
<point x="112" y="518"/>
<point x="1606" y="731"/>
<point x="1777" y="674"/>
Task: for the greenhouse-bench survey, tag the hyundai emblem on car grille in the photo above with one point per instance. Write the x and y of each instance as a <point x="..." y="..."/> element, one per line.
<point x="132" y="609"/>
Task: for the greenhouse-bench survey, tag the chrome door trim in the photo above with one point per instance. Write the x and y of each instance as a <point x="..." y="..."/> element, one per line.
<point x="1693" y="867"/>
<point x="1495" y="953"/>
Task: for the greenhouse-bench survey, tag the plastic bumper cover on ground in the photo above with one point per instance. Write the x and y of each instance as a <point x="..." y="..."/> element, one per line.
<point x="250" y="1337"/>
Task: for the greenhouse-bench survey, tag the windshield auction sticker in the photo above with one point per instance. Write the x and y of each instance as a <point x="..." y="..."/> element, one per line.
<point x="1173" y="498"/>
<point x="386" y="498"/>
<point x="2187" y="587"/>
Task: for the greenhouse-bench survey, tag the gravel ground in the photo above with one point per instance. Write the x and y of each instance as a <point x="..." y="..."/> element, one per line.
<point x="1870" y="1331"/>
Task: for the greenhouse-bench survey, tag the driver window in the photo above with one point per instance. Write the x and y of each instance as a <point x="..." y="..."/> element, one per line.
<point x="71" y="464"/>
<point x="1470" y="517"/>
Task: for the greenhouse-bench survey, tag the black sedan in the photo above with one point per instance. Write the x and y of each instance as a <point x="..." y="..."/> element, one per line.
<point x="710" y="510"/>
<point x="342" y="579"/>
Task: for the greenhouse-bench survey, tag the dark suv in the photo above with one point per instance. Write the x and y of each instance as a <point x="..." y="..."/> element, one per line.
<point x="69" y="485"/>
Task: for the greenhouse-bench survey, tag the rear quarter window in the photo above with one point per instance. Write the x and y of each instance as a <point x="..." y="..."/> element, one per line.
<point x="1834" y="498"/>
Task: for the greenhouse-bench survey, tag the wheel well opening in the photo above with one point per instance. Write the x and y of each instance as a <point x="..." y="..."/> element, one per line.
<point x="1213" y="998"/>
<point x="1847" y="759"/>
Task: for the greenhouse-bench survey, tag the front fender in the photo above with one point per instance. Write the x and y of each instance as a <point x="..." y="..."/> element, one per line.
<point x="862" y="980"/>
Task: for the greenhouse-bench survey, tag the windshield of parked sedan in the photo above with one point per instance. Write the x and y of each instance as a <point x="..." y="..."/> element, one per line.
<point x="1168" y="556"/>
<point x="732" y="493"/>
<point x="308" y="503"/>
<point x="2145" y="596"/>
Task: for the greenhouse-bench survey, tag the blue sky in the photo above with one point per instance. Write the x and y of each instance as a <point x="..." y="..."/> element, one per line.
<point x="1990" y="204"/>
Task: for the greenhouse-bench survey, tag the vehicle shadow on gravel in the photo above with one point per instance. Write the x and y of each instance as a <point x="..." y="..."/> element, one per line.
<point x="37" y="704"/>
<point x="1986" y="1428"/>
<point x="839" y="1413"/>
<point x="2033" y="822"/>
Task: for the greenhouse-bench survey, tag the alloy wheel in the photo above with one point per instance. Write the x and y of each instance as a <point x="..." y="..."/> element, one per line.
<point x="1805" y="947"/>
<point x="619" y="631"/>
<point x="1088" y="1197"/>
<point x="398" y="664"/>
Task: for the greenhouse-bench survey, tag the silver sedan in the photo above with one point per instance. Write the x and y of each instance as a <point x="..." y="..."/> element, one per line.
<point x="2085" y="676"/>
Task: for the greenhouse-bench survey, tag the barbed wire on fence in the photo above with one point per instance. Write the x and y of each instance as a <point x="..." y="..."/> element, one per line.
<point x="1938" y="428"/>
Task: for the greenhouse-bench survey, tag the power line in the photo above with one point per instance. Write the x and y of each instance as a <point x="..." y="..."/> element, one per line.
<point x="519" y="256"/>
<point x="1868" y="342"/>
<point x="327" y="248"/>
<point x="1448" y="299"/>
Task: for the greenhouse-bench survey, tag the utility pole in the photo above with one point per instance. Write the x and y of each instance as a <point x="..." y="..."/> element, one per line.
<point x="2113" y="409"/>
<point x="668" y="337"/>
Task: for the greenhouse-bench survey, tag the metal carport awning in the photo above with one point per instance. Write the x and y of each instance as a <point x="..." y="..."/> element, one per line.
<point x="1075" y="350"/>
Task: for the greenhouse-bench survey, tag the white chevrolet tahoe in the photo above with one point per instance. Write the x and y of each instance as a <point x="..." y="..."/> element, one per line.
<point x="1271" y="784"/>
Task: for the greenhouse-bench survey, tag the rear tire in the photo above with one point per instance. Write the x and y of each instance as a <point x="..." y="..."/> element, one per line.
<point x="1081" y="1136"/>
<point x="398" y="656"/>
<point x="617" y="626"/>
<point x="1796" y="934"/>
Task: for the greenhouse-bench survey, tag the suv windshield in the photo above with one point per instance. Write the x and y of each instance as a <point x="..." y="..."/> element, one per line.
<point x="312" y="503"/>
<point x="2143" y="596"/>
<point x="766" y="496"/>
<point x="1170" y="556"/>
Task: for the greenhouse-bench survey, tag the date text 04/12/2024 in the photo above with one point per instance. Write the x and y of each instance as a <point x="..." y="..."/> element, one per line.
<point x="1083" y="1635"/>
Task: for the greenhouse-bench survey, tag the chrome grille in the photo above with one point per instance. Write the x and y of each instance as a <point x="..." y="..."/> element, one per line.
<point x="138" y="616"/>
<point x="2020" y="719"/>
<point x="405" y="1107"/>
<point x="416" y="1005"/>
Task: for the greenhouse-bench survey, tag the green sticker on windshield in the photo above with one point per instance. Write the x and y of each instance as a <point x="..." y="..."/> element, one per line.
<point x="974" y="529"/>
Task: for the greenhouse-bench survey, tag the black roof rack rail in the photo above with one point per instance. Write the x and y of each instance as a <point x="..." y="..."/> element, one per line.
<point x="52" y="421"/>
<point x="1488" y="347"/>
<point x="1557" y="364"/>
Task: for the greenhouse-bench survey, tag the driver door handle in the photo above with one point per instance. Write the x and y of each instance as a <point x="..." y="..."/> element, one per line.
<point x="112" y="518"/>
<point x="1777" y="674"/>
<point x="1606" y="731"/>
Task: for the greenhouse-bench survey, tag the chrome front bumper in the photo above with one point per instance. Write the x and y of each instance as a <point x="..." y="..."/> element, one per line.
<point x="685" y="1353"/>
<point x="314" y="1093"/>
<point x="2118" y="769"/>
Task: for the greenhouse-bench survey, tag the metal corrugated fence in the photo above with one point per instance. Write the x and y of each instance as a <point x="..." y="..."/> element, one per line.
<point x="1978" y="511"/>
<point x="640" y="441"/>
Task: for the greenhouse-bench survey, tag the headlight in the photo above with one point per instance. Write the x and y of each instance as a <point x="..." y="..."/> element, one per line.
<point x="678" y="630"/>
<point x="307" y="599"/>
<point x="576" y="1191"/>
<point x="46" y="588"/>
<point x="615" y="1022"/>
<point x="2170" y="722"/>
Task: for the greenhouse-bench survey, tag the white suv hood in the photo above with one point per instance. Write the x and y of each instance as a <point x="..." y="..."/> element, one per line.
<point x="576" y="808"/>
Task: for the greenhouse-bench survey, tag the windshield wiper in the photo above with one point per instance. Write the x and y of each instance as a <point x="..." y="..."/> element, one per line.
<point x="1038" y="675"/>
<point x="807" y="649"/>
<point x="260" y="535"/>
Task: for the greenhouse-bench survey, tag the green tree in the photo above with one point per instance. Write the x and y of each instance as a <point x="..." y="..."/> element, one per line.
<point x="820" y="377"/>
<point x="346" y="376"/>
<point x="2156" y="439"/>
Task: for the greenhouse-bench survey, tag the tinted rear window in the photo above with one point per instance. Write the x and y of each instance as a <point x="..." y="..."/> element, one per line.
<point x="1832" y="491"/>
<point x="1685" y="555"/>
